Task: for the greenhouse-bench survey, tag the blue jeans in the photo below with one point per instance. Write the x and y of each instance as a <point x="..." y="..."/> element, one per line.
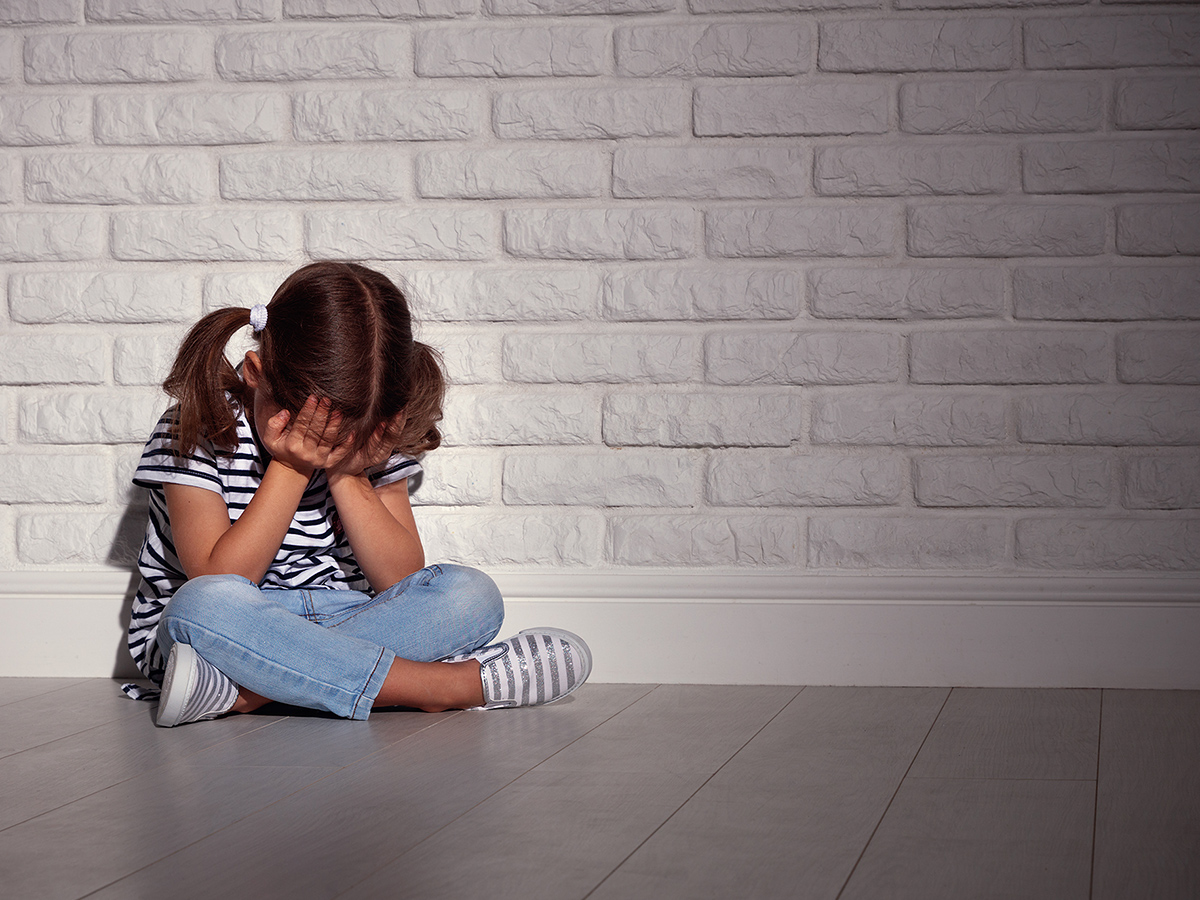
<point x="330" y="649"/>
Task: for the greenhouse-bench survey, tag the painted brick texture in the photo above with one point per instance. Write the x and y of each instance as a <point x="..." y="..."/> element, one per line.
<point x="795" y="285"/>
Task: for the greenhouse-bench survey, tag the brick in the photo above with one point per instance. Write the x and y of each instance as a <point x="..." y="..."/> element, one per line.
<point x="358" y="174"/>
<point x="599" y="233"/>
<point x="1158" y="229"/>
<point x="125" y="463"/>
<point x="93" y="417"/>
<point x="173" y="10"/>
<point x="1006" y="229"/>
<point x="506" y="173"/>
<point x="710" y="173"/>
<point x="205" y="235"/>
<point x="39" y="12"/>
<point x="978" y="4"/>
<point x="43" y="120"/>
<point x="1012" y="479"/>
<point x="576" y="7"/>
<point x="915" y="45"/>
<point x="665" y="540"/>
<point x="1127" y="416"/>
<point x="744" y="6"/>
<point x="146" y="359"/>
<point x="1162" y="482"/>
<point x="122" y="297"/>
<point x="1008" y="356"/>
<point x="400" y="233"/>
<point x="1002" y="106"/>
<point x="117" y="178"/>
<point x="906" y="542"/>
<point x="724" y="49"/>
<point x="1165" y="102"/>
<point x="204" y="119"/>
<point x="10" y="174"/>
<point x="592" y="113"/>
<point x="613" y="478"/>
<point x="386" y="115"/>
<point x="454" y="479"/>
<point x="293" y="54"/>
<point x="118" y="58"/>
<point x="468" y="358"/>
<point x="505" y="295"/>
<point x="893" y="171"/>
<point x="241" y="288"/>
<point x="29" y="237"/>
<point x="559" y="50"/>
<point x="380" y="9"/>
<point x="906" y="293"/>
<point x="52" y="359"/>
<point x="604" y="358"/>
<point x="1107" y="293"/>
<point x="703" y="419"/>
<point x="801" y="231"/>
<point x="1111" y="41"/>
<point x="47" y="539"/>
<point x="510" y="417"/>
<point x="1081" y="167"/>
<point x="791" y="109"/>
<point x="10" y="53"/>
<point x="662" y="294"/>
<point x="758" y="479"/>
<point x="1109" y="544"/>
<point x="808" y="357"/>
<point x="482" y="539"/>
<point x="918" y="418"/>
<point x="1159" y="357"/>
<point x="45" y="478"/>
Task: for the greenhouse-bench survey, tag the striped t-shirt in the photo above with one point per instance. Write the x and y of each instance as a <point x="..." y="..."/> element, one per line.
<point x="315" y="552"/>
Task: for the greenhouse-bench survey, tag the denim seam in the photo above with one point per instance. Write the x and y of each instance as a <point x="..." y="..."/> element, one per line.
<point x="362" y="695"/>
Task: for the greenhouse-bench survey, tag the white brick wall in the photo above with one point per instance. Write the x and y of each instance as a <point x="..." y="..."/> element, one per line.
<point x="801" y="285"/>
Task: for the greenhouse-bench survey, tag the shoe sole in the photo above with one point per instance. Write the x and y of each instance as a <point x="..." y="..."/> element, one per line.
<point x="172" y="700"/>
<point x="584" y="651"/>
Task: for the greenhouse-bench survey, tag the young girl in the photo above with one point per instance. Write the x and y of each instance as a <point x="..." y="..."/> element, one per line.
<point x="281" y="559"/>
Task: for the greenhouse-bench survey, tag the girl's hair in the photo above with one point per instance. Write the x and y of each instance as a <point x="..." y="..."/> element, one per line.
<point x="334" y="330"/>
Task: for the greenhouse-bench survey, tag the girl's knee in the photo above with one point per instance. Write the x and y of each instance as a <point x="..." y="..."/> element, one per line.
<point x="475" y="593"/>
<point x="205" y="600"/>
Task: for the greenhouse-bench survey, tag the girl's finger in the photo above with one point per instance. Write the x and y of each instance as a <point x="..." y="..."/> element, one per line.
<point x="304" y="418"/>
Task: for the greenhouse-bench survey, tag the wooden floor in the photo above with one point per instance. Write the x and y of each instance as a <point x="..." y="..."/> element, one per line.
<point x="620" y="791"/>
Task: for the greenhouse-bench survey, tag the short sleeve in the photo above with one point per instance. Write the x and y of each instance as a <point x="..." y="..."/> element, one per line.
<point x="161" y="465"/>
<point x="396" y="468"/>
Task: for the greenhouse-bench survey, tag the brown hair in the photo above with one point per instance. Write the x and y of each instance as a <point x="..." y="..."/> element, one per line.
<point x="334" y="330"/>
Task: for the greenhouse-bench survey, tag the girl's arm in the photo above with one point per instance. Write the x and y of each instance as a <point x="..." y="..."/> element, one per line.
<point x="380" y="527"/>
<point x="205" y="540"/>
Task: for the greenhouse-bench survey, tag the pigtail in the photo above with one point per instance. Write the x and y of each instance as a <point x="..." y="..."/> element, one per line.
<point x="424" y="408"/>
<point x="202" y="381"/>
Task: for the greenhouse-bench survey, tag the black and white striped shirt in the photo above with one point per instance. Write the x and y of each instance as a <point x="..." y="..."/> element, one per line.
<point x="315" y="552"/>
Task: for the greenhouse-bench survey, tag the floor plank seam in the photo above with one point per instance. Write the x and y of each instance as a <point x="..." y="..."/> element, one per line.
<point x="369" y="875"/>
<point x="892" y="799"/>
<point x="1096" y="800"/>
<point x="688" y="799"/>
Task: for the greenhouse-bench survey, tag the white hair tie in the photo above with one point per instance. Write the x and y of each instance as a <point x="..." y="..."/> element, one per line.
<point x="258" y="317"/>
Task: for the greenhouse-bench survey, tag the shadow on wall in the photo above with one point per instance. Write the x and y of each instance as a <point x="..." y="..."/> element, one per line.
<point x="122" y="554"/>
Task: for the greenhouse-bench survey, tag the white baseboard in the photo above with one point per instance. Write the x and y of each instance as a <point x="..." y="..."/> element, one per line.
<point x="1005" y="631"/>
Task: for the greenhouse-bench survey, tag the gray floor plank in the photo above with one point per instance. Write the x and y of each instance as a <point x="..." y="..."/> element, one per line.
<point x="559" y="829"/>
<point x="333" y="834"/>
<point x="954" y="838"/>
<point x="1148" y="803"/>
<point x="86" y="845"/>
<point x="59" y="772"/>
<point x="790" y="813"/>
<point x="1013" y="733"/>
<point x="39" y="720"/>
<point x="15" y="689"/>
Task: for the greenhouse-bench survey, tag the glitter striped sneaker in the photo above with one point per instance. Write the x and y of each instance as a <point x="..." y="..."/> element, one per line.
<point x="538" y="665"/>
<point x="192" y="689"/>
